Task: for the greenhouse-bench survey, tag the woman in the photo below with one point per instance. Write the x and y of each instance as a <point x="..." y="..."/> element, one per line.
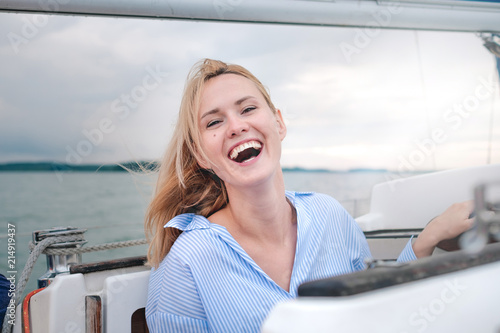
<point x="237" y="242"/>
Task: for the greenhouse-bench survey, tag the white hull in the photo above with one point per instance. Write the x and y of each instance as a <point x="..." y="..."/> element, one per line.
<point x="465" y="301"/>
<point x="63" y="305"/>
<point x="401" y="207"/>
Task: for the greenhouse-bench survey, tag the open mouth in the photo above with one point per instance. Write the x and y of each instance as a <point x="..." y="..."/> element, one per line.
<point x="246" y="151"/>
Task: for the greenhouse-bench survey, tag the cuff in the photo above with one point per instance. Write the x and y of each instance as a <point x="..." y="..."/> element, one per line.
<point x="407" y="254"/>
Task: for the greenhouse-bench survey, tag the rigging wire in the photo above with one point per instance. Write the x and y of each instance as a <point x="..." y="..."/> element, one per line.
<point x="492" y="116"/>
<point x="492" y="43"/>
<point x="424" y="93"/>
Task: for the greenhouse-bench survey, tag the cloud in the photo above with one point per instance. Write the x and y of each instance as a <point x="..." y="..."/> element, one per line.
<point x="74" y="72"/>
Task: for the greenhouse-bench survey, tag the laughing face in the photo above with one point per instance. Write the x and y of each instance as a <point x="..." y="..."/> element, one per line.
<point x="240" y="134"/>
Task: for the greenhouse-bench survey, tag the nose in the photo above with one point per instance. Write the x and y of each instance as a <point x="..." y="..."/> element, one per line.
<point x="236" y="126"/>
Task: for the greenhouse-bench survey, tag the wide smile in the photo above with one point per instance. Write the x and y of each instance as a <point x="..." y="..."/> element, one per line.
<point x="246" y="151"/>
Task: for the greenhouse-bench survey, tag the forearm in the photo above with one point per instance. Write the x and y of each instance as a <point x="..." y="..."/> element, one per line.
<point x="425" y="243"/>
<point x="451" y="223"/>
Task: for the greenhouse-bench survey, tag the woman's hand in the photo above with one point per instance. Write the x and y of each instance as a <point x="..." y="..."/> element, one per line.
<point x="453" y="222"/>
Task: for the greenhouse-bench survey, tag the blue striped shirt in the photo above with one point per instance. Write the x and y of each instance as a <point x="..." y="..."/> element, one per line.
<point x="208" y="283"/>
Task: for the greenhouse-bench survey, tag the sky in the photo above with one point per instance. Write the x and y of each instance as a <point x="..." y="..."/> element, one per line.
<point x="107" y="90"/>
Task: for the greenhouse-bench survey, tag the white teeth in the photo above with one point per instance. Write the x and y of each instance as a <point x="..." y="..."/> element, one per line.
<point x="242" y="147"/>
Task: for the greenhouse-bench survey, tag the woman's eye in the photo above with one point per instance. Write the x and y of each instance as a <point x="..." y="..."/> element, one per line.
<point x="248" y="109"/>
<point x="212" y="123"/>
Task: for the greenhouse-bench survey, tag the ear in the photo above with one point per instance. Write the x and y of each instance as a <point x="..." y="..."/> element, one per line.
<point x="281" y="124"/>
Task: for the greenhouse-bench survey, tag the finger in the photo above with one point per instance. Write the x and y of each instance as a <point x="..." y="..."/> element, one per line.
<point x="469" y="204"/>
<point x="470" y="222"/>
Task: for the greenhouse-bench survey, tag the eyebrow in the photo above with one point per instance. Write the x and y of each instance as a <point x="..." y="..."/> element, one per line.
<point x="238" y="102"/>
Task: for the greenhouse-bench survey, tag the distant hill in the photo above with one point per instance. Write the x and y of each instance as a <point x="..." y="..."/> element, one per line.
<point x="56" y="166"/>
<point x="298" y="169"/>
<point x="367" y="170"/>
<point x="126" y="166"/>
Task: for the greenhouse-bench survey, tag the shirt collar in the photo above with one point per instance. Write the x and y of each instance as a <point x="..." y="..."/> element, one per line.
<point x="188" y="221"/>
<point x="293" y="196"/>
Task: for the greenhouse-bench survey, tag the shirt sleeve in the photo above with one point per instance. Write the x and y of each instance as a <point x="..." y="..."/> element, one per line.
<point x="407" y="254"/>
<point x="174" y="304"/>
<point x="346" y="232"/>
<point x="361" y="245"/>
<point x="355" y="240"/>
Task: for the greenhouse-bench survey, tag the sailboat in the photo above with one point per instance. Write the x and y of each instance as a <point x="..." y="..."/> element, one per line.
<point x="415" y="297"/>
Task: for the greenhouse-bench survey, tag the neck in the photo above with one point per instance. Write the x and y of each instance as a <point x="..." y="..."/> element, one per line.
<point x="261" y="212"/>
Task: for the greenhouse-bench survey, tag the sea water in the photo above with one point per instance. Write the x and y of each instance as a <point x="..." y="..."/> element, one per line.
<point x="111" y="206"/>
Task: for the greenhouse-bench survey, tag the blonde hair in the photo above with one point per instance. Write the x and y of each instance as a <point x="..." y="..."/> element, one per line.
<point x="182" y="185"/>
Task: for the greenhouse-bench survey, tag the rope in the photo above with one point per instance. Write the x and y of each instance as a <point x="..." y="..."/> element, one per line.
<point x="101" y="247"/>
<point x="28" y="267"/>
<point x="42" y="248"/>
